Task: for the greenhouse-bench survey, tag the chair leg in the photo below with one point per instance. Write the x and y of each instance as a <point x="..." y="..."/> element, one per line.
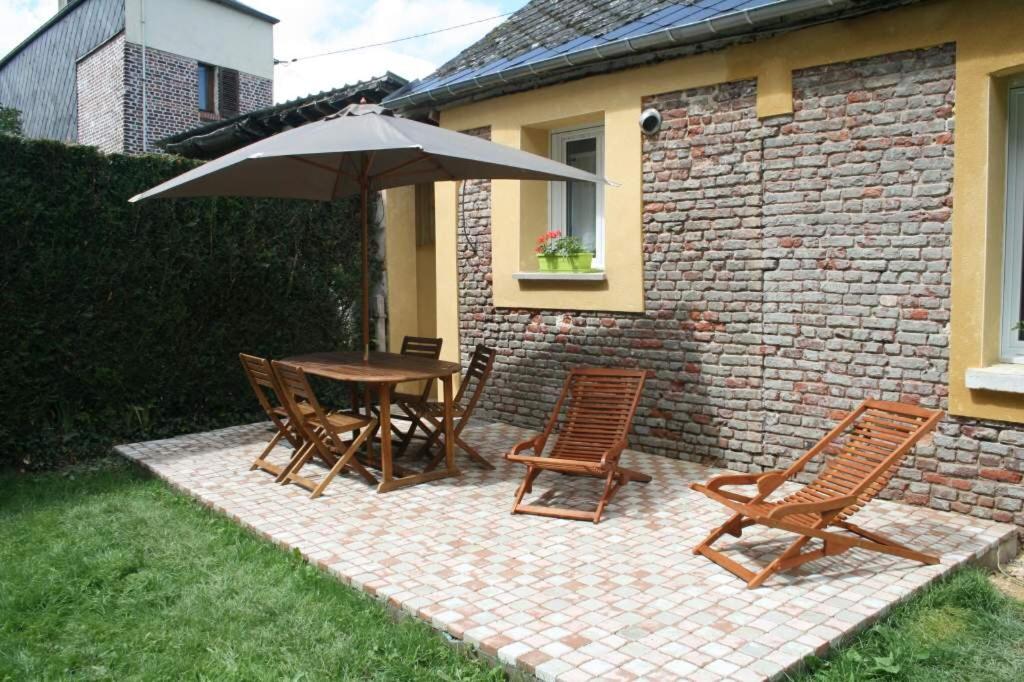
<point x="260" y="461"/>
<point x="525" y="487"/>
<point x="473" y="453"/>
<point x="611" y="484"/>
<point x="347" y="459"/>
<point x="633" y="475"/>
<point x="733" y="527"/>
<point x="300" y="459"/>
<point x="883" y="543"/>
<point x="791" y="552"/>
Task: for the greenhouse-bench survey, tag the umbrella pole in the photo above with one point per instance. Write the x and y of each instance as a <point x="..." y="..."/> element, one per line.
<point x="364" y="191"/>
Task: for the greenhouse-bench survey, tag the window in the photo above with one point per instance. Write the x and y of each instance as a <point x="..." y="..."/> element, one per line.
<point x="207" y="88"/>
<point x="1012" y="337"/>
<point x="577" y="208"/>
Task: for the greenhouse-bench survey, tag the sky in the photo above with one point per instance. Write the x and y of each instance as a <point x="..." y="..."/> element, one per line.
<point x="311" y="27"/>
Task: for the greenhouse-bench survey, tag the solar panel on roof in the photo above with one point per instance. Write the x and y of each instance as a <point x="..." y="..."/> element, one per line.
<point x="623" y="30"/>
<point x="673" y="16"/>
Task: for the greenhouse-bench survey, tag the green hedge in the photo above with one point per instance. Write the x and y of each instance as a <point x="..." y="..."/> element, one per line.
<point x="125" y="321"/>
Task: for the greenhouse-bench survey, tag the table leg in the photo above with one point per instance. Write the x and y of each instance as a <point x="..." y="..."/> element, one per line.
<point x="449" y="427"/>
<point x="385" y="433"/>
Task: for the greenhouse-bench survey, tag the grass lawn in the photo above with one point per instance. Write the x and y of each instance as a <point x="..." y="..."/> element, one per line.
<point x="961" y="630"/>
<point x="108" y="574"/>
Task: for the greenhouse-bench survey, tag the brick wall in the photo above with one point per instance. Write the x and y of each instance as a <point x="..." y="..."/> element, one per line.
<point x="172" y="99"/>
<point x="100" y="93"/>
<point x="793" y="266"/>
<point x="254" y="92"/>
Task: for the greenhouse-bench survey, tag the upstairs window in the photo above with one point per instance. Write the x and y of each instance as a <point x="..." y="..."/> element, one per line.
<point x="1012" y="336"/>
<point x="577" y="208"/>
<point x="207" y="88"/>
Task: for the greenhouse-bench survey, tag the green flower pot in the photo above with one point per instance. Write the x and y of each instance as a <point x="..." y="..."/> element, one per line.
<point x="581" y="262"/>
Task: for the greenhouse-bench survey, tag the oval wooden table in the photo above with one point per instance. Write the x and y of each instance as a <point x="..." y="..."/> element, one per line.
<point x="384" y="371"/>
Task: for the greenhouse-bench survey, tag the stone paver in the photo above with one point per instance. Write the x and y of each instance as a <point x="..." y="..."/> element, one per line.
<point x="569" y="600"/>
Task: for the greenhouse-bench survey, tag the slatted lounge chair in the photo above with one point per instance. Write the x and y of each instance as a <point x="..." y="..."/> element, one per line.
<point x="430" y="414"/>
<point x="866" y="447"/>
<point x="600" y="404"/>
<point x="324" y="432"/>
<point x="264" y="384"/>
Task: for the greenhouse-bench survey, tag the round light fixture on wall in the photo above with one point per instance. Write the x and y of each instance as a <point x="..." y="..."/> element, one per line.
<point x="650" y="121"/>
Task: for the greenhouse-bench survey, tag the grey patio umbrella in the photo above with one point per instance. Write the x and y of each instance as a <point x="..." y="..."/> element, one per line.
<point x="361" y="149"/>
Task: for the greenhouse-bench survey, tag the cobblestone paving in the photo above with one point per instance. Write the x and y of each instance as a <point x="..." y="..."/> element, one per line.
<point x="570" y="600"/>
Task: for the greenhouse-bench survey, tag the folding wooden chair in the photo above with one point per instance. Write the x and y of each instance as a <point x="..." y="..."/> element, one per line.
<point x="866" y="448"/>
<point x="323" y="432"/>
<point x="406" y="401"/>
<point x="429" y="415"/>
<point x="264" y="384"/>
<point x="600" y="404"/>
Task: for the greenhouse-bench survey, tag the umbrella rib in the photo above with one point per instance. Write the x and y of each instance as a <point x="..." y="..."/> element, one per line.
<point x="321" y="166"/>
<point x="391" y="170"/>
<point x="337" y="177"/>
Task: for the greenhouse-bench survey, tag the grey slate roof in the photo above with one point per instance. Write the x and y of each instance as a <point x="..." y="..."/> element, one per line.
<point x="548" y="23"/>
<point x="217" y="138"/>
<point x="549" y="41"/>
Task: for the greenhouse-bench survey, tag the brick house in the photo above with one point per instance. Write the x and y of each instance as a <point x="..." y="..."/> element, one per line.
<point x="121" y="74"/>
<point x="830" y="207"/>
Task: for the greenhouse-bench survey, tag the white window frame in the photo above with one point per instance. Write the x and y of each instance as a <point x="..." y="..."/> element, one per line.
<point x="556" y="190"/>
<point x="1011" y="348"/>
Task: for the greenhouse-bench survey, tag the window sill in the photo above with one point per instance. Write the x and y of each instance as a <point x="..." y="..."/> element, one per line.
<point x="596" y="276"/>
<point x="1007" y="378"/>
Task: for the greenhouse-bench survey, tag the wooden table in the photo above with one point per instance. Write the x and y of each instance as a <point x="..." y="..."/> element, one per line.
<point x="384" y="370"/>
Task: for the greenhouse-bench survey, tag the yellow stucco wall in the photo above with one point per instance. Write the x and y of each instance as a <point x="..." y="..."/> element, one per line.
<point x="987" y="34"/>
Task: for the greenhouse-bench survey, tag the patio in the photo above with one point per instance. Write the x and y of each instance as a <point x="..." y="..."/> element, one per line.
<point x="570" y="600"/>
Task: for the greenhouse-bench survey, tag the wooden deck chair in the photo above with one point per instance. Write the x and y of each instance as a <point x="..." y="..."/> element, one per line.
<point x="405" y="401"/>
<point x="323" y="431"/>
<point x="600" y="404"/>
<point x="866" y="448"/>
<point x="430" y="414"/>
<point x="264" y="384"/>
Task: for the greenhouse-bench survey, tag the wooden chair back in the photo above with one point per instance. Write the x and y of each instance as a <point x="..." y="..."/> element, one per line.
<point x="475" y="379"/>
<point x="599" y="408"/>
<point x="424" y="347"/>
<point x="295" y="388"/>
<point x="264" y="384"/>
<point x="863" y="452"/>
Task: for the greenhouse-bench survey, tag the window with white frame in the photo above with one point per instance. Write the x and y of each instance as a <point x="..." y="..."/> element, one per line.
<point x="1012" y="333"/>
<point x="577" y="208"/>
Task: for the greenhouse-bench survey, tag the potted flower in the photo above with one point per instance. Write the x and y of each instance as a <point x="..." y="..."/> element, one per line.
<point x="562" y="253"/>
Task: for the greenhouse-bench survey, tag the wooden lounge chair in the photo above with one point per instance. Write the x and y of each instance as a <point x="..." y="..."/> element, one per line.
<point x="866" y="448"/>
<point x="264" y="384"/>
<point x="600" y="404"/>
<point x="324" y="432"/>
<point x="430" y="414"/>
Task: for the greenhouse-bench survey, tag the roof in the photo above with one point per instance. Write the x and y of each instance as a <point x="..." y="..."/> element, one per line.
<point x="550" y="40"/>
<point x="548" y="24"/>
<point x="216" y="138"/>
<point x="73" y="4"/>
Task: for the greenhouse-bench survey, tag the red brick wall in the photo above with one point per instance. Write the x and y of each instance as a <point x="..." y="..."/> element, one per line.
<point x="793" y="266"/>
<point x="172" y="95"/>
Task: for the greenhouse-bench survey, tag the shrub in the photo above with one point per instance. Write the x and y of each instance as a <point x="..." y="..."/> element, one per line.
<point x="10" y="121"/>
<point x="124" y="321"/>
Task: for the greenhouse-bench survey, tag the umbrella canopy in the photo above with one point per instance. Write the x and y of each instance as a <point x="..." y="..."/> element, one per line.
<point x="363" y="144"/>
<point x="361" y="149"/>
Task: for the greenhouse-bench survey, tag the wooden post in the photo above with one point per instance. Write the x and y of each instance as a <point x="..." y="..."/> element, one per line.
<point x="364" y="192"/>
